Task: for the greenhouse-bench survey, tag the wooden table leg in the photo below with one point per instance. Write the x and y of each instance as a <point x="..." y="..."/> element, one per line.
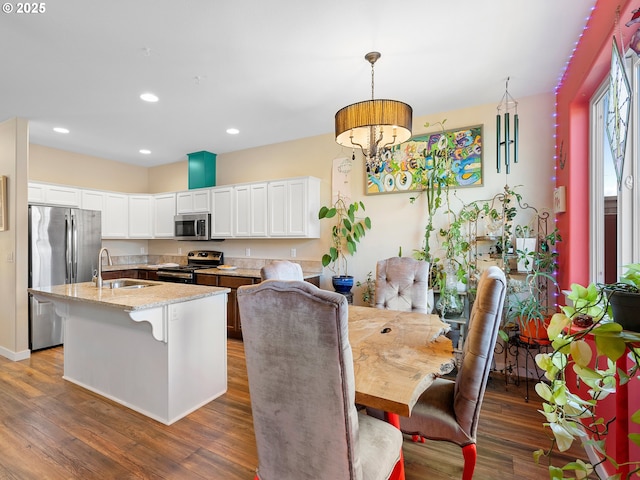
<point x="394" y="419"/>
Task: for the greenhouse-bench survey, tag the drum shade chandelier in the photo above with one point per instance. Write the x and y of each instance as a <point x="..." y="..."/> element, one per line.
<point x="373" y="124"/>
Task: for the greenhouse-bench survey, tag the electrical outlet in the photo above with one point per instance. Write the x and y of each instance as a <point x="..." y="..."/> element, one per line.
<point x="179" y="251"/>
<point x="293" y="253"/>
<point x="142" y="251"/>
<point x="247" y="252"/>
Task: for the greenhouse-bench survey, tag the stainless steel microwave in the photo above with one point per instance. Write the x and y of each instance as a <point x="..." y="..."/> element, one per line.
<point x="192" y="226"/>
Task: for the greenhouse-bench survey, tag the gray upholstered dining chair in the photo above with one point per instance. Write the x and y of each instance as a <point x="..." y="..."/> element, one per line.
<point x="302" y="387"/>
<point x="281" y="270"/>
<point x="449" y="410"/>
<point x="402" y="283"/>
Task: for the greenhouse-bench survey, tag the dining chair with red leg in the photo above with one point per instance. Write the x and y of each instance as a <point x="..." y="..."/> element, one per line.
<point x="302" y="388"/>
<point x="449" y="410"/>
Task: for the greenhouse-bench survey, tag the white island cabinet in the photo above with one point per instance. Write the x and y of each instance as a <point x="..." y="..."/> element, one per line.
<point x="159" y="350"/>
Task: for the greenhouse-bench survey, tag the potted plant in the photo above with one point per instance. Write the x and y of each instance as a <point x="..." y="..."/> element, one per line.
<point x="526" y="242"/>
<point x="531" y="308"/>
<point x="346" y="233"/>
<point x="570" y="416"/>
<point x="624" y="298"/>
<point x="368" y="289"/>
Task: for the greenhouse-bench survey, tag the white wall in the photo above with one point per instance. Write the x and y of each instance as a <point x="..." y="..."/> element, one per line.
<point x="69" y="168"/>
<point x="14" y="148"/>
<point x="396" y="222"/>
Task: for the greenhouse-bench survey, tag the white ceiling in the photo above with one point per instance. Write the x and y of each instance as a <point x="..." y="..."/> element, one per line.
<point x="276" y="70"/>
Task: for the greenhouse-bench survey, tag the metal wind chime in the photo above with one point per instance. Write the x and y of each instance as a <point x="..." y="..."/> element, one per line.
<point x="506" y="136"/>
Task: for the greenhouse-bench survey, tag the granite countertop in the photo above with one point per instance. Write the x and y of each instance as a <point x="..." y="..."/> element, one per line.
<point x="130" y="299"/>
<point x="244" y="272"/>
<point x="238" y="272"/>
<point x="130" y="266"/>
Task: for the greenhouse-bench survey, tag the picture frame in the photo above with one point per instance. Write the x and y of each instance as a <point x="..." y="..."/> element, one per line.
<point x="403" y="167"/>
<point x="4" y="223"/>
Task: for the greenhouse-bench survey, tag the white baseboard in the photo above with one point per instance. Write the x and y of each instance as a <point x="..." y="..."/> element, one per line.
<point x="15" y="356"/>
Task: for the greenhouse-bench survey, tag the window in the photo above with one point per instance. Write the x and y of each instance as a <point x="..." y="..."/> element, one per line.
<point x="615" y="226"/>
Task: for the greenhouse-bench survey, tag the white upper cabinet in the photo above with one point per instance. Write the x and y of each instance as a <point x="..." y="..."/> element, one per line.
<point x="191" y="201"/>
<point x="222" y="212"/>
<point x="164" y="211"/>
<point x="115" y="211"/>
<point x="293" y="207"/>
<point x="115" y="215"/>
<point x="141" y="216"/>
<point x="250" y="201"/>
<point x="53" y="194"/>
<point x="93" y="200"/>
<point x="278" y="208"/>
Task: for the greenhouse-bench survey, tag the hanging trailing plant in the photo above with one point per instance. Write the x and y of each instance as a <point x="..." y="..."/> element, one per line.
<point x="435" y="178"/>
<point x="568" y="415"/>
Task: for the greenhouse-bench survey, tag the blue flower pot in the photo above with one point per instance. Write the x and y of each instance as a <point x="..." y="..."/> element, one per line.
<point x="342" y="283"/>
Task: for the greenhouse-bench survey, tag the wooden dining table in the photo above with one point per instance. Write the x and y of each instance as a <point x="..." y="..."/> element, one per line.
<point x="396" y="357"/>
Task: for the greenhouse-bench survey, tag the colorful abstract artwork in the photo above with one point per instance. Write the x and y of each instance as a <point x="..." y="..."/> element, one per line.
<point x="404" y="167"/>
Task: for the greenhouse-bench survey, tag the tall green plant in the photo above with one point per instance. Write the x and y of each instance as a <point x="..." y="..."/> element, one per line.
<point x="346" y="233"/>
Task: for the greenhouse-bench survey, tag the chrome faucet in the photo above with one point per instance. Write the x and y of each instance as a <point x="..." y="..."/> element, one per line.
<point x="99" y="274"/>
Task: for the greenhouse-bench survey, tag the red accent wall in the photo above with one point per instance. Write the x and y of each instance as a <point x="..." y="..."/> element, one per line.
<point x="586" y="71"/>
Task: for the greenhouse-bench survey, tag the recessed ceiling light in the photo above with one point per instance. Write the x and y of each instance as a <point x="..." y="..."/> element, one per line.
<point x="149" y="97"/>
<point x="233" y="131"/>
<point x="144" y="151"/>
<point x="61" y="130"/>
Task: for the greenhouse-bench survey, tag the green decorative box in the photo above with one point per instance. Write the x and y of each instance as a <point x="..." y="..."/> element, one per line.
<point x="202" y="169"/>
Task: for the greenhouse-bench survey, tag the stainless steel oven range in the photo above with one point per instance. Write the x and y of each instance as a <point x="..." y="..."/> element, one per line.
<point x="196" y="260"/>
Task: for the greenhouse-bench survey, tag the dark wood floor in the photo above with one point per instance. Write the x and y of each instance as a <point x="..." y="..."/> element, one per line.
<point x="52" y="429"/>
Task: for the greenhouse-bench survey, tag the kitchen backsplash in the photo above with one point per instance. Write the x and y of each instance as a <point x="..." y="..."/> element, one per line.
<point x="309" y="266"/>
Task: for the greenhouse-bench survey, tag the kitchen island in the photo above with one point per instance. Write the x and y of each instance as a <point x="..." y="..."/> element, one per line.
<point x="157" y="348"/>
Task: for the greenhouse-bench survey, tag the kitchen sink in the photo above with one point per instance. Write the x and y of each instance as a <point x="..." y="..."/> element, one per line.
<point x="128" y="283"/>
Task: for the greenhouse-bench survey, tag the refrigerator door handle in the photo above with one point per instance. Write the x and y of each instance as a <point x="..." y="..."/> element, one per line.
<point x="67" y="251"/>
<point x="74" y="248"/>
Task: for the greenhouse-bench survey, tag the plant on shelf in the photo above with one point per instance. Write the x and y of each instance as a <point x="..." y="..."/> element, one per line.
<point x="571" y="414"/>
<point x="349" y="228"/>
<point x="531" y="308"/>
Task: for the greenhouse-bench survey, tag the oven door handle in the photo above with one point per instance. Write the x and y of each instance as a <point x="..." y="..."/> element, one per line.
<point x="187" y="276"/>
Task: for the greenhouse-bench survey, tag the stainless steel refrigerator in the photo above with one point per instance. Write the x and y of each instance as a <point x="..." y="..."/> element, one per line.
<point x="63" y="248"/>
